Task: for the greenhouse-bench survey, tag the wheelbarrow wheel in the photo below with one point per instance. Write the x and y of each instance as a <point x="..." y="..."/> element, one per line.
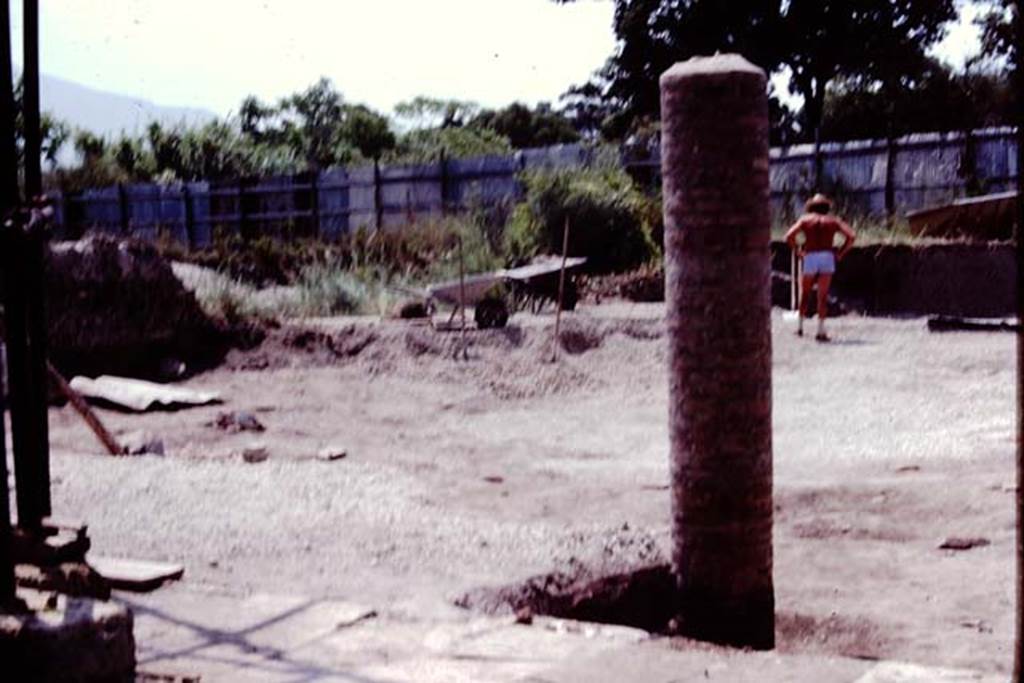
<point x="570" y="297"/>
<point x="491" y="313"/>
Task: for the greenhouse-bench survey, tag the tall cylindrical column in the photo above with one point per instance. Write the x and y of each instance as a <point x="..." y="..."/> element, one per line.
<point x="714" y="152"/>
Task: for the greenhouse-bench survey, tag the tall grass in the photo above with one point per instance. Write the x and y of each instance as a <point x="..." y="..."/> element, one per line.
<point x="367" y="272"/>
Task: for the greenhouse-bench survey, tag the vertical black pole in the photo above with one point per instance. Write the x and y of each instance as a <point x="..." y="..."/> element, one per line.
<point x="186" y="205"/>
<point x="242" y="228"/>
<point x="6" y="560"/>
<point x="444" y="183"/>
<point x="34" y="473"/>
<point x="378" y="205"/>
<point x="8" y="198"/>
<point x="30" y="100"/>
<point x="890" y="174"/>
<point x="122" y="209"/>
<point x="314" y="200"/>
<point x="1017" y="31"/>
<point x="8" y="156"/>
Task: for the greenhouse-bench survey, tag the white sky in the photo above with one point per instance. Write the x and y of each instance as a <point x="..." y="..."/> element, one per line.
<point x="212" y="53"/>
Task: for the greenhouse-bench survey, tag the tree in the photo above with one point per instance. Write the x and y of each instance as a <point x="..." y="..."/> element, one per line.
<point x="590" y="111"/>
<point x="938" y="100"/>
<point x="366" y="130"/>
<point x="317" y="125"/>
<point x="524" y="127"/>
<point x="166" y="146"/>
<point x="427" y="145"/>
<point x="53" y="133"/>
<point x="816" y="40"/>
<point x="429" y="112"/>
<point x="654" y="34"/>
<point x="999" y="31"/>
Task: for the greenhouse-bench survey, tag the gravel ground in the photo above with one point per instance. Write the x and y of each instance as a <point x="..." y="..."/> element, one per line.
<point x="469" y="473"/>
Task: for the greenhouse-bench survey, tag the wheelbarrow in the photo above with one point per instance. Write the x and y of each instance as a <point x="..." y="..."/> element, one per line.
<point x="532" y="284"/>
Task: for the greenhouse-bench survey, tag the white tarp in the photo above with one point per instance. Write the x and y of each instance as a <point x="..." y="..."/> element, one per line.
<point x="139" y="395"/>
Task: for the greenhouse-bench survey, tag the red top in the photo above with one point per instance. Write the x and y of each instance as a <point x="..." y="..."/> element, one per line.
<point x="819" y="231"/>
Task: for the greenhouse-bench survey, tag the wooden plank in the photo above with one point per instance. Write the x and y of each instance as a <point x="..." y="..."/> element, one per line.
<point x="135" y="575"/>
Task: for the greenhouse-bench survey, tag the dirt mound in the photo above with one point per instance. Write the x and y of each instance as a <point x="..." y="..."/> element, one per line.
<point x="642" y="598"/>
<point x="510" y="363"/>
<point x="115" y="306"/>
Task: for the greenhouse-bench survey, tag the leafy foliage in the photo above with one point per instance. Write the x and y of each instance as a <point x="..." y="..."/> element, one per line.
<point x="318" y="126"/>
<point x="426" y="145"/>
<point x="611" y="222"/>
<point x="430" y="112"/>
<point x="53" y="133"/>
<point x="817" y="41"/>
<point x="1000" y="37"/>
<point x="940" y="101"/>
<point x="524" y="127"/>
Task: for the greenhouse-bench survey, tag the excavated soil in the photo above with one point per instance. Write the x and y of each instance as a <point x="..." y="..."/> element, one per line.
<point x="468" y="473"/>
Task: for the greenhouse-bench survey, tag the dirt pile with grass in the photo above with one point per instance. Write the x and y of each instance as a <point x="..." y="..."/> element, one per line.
<point x="115" y="307"/>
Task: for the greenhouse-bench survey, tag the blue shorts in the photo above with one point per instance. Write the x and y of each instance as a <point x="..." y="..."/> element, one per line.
<point x="819" y="263"/>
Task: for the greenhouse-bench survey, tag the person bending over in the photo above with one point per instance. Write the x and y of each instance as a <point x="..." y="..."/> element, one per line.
<point x="818" y="254"/>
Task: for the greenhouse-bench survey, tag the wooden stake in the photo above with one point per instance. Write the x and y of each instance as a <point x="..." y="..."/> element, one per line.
<point x="83" y="409"/>
<point x="561" y="287"/>
<point x="462" y="298"/>
<point x="794" y="281"/>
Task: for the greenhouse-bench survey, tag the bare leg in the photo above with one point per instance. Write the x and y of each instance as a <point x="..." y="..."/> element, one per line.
<point x="824" y="281"/>
<point x="806" y="283"/>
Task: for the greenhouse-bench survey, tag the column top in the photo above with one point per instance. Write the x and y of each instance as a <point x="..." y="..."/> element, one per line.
<point x="716" y="64"/>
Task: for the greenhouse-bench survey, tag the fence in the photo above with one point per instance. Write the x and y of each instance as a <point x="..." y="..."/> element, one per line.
<point x="326" y="204"/>
<point x="919" y="170"/>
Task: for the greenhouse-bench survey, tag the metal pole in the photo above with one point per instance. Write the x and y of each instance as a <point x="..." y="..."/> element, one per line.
<point x="378" y="203"/>
<point x="33" y="464"/>
<point x="314" y="198"/>
<point x="186" y="205"/>
<point x="244" y="229"/>
<point x="30" y="100"/>
<point x="443" y="179"/>
<point x="122" y="210"/>
<point x="6" y="558"/>
<point x="8" y="155"/>
<point x="1018" y="234"/>
<point x="31" y="507"/>
<point x="714" y="114"/>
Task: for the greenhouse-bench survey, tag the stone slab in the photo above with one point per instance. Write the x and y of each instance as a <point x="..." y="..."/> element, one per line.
<point x="135" y="575"/>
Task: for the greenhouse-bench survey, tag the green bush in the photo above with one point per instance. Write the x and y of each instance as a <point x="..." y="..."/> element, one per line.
<point x="611" y="222"/>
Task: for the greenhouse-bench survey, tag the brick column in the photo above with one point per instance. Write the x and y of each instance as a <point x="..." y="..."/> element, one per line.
<point x="714" y="151"/>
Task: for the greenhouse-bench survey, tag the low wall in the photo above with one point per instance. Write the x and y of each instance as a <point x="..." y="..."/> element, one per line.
<point x="975" y="280"/>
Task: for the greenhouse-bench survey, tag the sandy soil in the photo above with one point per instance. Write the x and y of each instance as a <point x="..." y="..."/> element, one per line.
<point x="463" y="473"/>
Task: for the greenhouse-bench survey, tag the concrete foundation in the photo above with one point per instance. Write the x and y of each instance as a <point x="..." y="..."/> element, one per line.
<point x="73" y="640"/>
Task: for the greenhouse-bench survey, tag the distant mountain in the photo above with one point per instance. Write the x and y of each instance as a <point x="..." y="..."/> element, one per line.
<point x="108" y="114"/>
